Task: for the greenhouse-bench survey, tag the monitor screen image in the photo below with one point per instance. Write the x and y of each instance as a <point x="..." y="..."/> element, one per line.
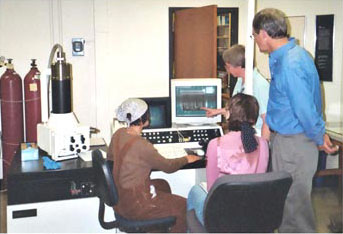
<point x="190" y="99"/>
<point x="189" y="95"/>
<point x="157" y="116"/>
<point x="159" y="108"/>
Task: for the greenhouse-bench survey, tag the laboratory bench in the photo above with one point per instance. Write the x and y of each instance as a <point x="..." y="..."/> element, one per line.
<point x="64" y="200"/>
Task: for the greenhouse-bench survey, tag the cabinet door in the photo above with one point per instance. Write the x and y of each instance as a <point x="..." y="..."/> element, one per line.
<point x="195" y="42"/>
<point x="64" y="216"/>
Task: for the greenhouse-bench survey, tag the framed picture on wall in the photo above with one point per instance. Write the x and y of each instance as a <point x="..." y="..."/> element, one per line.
<point x="324" y="46"/>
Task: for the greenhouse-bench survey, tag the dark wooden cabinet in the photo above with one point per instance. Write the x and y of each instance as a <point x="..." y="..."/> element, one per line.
<point x="197" y="39"/>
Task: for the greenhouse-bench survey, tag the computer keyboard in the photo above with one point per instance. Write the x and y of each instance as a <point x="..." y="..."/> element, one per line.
<point x="171" y="151"/>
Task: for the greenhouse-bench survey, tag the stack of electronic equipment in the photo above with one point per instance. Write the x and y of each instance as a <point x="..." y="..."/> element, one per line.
<point x="62" y="136"/>
<point x="178" y="124"/>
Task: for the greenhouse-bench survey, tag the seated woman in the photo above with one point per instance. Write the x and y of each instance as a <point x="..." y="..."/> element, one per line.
<point x="134" y="157"/>
<point x="239" y="151"/>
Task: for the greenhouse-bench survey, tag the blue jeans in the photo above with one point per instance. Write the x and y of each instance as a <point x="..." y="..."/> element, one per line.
<point x="196" y="200"/>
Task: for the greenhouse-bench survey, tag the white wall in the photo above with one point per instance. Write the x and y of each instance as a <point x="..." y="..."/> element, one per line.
<point x="332" y="91"/>
<point x="20" y="36"/>
<point x="29" y="29"/>
<point x="78" y="22"/>
<point x="126" y="49"/>
<point x="127" y="45"/>
<point x="132" y="49"/>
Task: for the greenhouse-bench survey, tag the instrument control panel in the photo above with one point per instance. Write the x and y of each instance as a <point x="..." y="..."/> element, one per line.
<point x="193" y="135"/>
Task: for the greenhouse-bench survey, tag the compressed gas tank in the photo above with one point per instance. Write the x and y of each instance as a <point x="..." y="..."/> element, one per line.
<point x="11" y="114"/>
<point x="32" y="102"/>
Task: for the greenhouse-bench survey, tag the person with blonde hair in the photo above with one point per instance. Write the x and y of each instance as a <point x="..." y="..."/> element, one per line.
<point x="234" y="59"/>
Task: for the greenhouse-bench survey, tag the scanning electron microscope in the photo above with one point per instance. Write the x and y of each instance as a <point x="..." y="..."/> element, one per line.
<point x="62" y="136"/>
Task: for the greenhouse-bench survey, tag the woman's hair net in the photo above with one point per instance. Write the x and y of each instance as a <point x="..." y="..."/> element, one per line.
<point x="133" y="106"/>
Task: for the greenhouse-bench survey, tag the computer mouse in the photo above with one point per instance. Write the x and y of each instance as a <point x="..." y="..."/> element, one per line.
<point x="200" y="152"/>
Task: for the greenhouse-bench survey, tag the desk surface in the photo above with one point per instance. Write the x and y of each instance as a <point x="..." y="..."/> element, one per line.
<point x="335" y="130"/>
<point x="36" y="166"/>
<point x="29" y="182"/>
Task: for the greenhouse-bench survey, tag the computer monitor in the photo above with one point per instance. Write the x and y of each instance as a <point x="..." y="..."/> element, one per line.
<point x="189" y="95"/>
<point x="159" y="108"/>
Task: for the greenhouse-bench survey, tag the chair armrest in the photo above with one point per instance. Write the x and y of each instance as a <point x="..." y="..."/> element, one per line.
<point x="101" y="214"/>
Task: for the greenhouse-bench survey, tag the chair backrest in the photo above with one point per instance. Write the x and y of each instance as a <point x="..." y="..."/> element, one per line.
<point x="105" y="186"/>
<point x="247" y="203"/>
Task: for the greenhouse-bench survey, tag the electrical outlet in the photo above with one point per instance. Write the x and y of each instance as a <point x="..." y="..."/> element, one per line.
<point x="78" y="46"/>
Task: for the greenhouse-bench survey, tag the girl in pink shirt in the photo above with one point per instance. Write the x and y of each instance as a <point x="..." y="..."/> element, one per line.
<point x="239" y="151"/>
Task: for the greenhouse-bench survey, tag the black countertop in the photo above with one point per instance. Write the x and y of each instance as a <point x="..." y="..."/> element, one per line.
<point x="30" y="182"/>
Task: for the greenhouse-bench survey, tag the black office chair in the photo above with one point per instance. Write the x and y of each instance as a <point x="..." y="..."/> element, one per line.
<point x="107" y="192"/>
<point x="243" y="203"/>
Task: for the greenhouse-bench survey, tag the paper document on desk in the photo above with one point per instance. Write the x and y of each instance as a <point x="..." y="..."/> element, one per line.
<point x="332" y="161"/>
<point x="87" y="156"/>
<point x="170" y="151"/>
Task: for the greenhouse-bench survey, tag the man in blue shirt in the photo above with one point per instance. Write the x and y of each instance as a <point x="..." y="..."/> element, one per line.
<point x="234" y="59"/>
<point x="294" y="116"/>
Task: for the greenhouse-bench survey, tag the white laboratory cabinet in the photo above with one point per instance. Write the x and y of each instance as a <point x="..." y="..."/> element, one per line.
<point x="53" y="201"/>
<point x="71" y="216"/>
<point x="182" y="181"/>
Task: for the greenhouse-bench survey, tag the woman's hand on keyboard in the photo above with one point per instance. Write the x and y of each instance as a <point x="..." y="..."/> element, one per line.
<point x="192" y="158"/>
